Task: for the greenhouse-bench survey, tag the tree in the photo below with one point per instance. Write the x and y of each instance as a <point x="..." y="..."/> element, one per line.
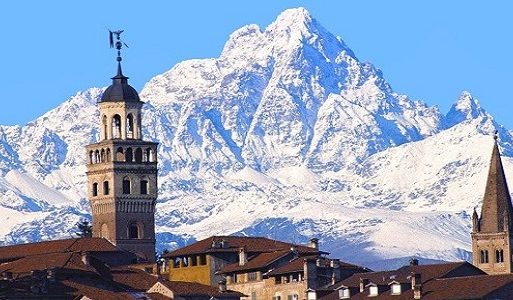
<point x="84" y="229"/>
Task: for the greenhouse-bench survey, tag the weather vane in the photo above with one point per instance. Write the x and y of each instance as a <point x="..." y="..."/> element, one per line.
<point x="119" y="42"/>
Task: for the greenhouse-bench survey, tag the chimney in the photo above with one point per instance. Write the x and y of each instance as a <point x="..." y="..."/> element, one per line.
<point x="415" y="280"/>
<point x="243" y="256"/>
<point x="417" y="292"/>
<point x="314" y="243"/>
<point x="222" y="286"/>
<point x="414" y="261"/>
<point x="363" y="284"/>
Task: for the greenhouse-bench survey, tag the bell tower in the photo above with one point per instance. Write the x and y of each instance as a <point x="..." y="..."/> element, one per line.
<point x="492" y="232"/>
<point x="122" y="171"/>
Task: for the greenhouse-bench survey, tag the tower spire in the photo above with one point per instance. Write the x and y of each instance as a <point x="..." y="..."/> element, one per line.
<point x="497" y="207"/>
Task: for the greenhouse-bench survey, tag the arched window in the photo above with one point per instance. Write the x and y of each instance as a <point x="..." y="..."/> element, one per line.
<point x="129" y="126"/>
<point x="102" y="156"/>
<point x="126" y="185"/>
<point x="107" y="155"/>
<point x="146" y="157"/>
<point x="95" y="189"/>
<point x="97" y="156"/>
<point x="484" y="256"/>
<point x="91" y="157"/>
<point x="138" y="155"/>
<point x="105" y="127"/>
<point x="116" y="127"/>
<point x="499" y="256"/>
<point x="144" y="187"/>
<point x="120" y="155"/>
<point x="106" y="188"/>
<point x="133" y="231"/>
<point x="129" y="155"/>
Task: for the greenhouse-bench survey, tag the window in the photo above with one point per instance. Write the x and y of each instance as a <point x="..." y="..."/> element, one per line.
<point x="194" y="261"/>
<point x="104" y="121"/>
<point x="277" y="298"/>
<point x="116" y="127"/>
<point x="484" y="256"/>
<point x="252" y="276"/>
<point x="253" y="296"/>
<point x="344" y="293"/>
<point x="373" y="290"/>
<point x="105" y="187"/>
<point x="120" y="154"/>
<point x="396" y="289"/>
<point x="499" y="256"/>
<point x="292" y="297"/>
<point x="129" y="155"/>
<point x="126" y="185"/>
<point x="202" y="260"/>
<point x="95" y="189"/>
<point x="138" y="155"/>
<point x="130" y="126"/>
<point x="144" y="187"/>
<point x="133" y="231"/>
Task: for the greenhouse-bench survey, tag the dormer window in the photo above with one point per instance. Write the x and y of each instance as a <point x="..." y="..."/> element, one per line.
<point x="395" y="288"/>
<point x="344" y="293"/>
<point x="373" y="290"/>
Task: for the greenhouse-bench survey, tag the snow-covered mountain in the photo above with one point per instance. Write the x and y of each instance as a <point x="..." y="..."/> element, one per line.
<point x="288" y="135"/>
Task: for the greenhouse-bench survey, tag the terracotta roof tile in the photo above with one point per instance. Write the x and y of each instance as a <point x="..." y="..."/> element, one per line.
<point x="234" y="243"/>
<point x="258" y="261"/>
<point x="57" y="246"/>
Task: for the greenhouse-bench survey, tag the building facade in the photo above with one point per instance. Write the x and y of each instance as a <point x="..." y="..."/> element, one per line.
<point x="492" y="231"/>
<point x="122" y="172"/>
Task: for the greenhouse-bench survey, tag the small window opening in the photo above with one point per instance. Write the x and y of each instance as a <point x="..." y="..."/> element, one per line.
<point x="144" y="187"/>
<point x="105" y="187"/>
<point x="116" y="126"/>
<point x="126" y="185"/>
<point x="95" y="189"/>
<point x="133" y="231"/>
<point x="129" y="155"/>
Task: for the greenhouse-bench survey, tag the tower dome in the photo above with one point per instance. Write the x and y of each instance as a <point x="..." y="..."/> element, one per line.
<point x="120" y="90"/>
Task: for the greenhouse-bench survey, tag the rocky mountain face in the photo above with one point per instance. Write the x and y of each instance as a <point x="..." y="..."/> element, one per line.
<point x="286" y="135"/>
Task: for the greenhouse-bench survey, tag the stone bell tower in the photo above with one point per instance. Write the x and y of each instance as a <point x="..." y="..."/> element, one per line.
<point x="492" y="232"/>
<point x="122" y="171"/>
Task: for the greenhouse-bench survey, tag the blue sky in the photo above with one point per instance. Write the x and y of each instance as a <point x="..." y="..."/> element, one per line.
<point x="428" y="50"/>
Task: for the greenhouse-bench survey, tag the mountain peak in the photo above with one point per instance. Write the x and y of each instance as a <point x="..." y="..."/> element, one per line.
<point x="294" y="16"/>
<point x="294" y="20"/>
<point x="466" y="108"/>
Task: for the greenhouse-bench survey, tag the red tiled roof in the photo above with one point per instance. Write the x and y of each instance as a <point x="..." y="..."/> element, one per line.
<point x="295" y="265"/>
<point x="234" y="243"/>
<point x="260" y="260"/>
<point x="70" y="261"/>
<point x="427" y="272"/>
<point x="453" y="272"/>
<point x="57" y="246"/>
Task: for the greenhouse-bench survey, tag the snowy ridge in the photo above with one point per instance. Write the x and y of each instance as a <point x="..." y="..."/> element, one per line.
<point x="286" y="134"/>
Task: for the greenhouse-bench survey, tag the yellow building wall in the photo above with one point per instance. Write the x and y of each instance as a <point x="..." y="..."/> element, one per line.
<point x="199" y="274"/>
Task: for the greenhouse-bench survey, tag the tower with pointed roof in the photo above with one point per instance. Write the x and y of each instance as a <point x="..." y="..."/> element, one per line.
<point x="492" y="234"/>
<point x="122" y="171"/>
